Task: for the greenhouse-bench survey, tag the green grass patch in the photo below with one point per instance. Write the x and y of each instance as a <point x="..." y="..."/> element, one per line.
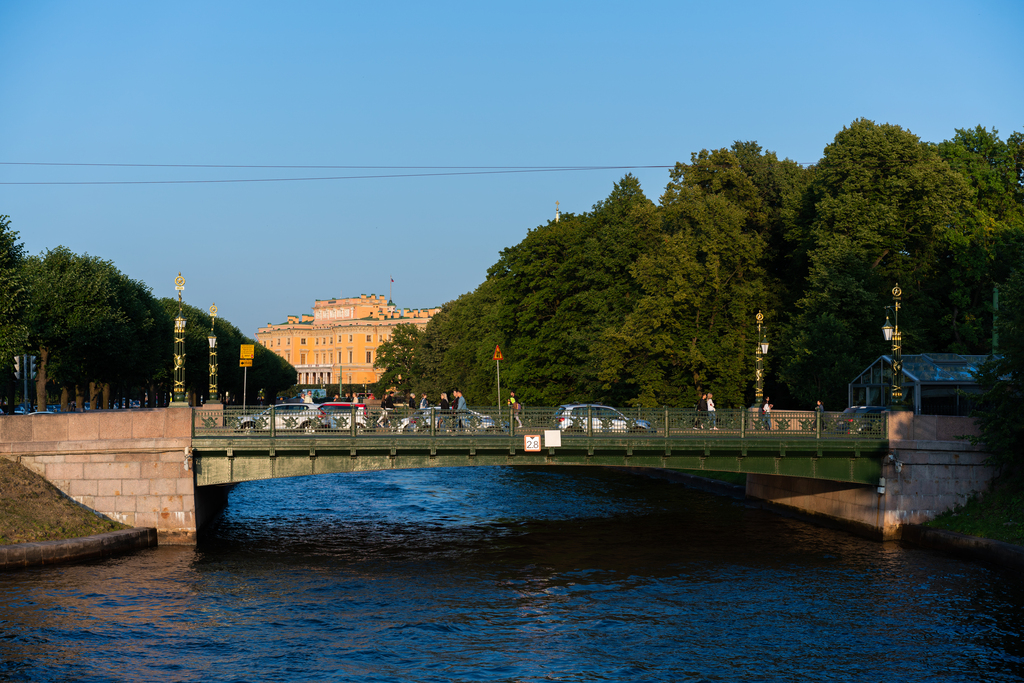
<point x="998" y="514"/>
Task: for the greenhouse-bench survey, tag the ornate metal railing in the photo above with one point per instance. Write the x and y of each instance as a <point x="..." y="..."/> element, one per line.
<point x="589" y="421"/>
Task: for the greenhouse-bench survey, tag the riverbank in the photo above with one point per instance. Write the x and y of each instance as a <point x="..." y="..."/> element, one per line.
<point x="20" y="555"/>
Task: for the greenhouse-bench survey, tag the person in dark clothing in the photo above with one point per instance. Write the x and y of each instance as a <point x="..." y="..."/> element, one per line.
<point x="701" y="407"/>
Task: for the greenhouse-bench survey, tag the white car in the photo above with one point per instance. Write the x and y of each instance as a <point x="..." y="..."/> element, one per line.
<point x="448" y="420"/>
<point x="340" y="413"/>
<point x="573" y="417"/>
<point x="305" y="417"/>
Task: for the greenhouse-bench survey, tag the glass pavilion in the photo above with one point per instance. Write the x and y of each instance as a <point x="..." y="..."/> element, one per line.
<point x="933" y="383"/>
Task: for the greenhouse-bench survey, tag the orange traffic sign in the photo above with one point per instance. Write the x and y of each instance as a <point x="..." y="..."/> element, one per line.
<point x="497" y="353"/>
<point x="247" y="350"/>
<point x="245" y="362"/>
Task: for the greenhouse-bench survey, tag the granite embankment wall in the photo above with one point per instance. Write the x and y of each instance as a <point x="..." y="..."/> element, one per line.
<point x="929" y="470"/>
<point x="129" y="465"/>
<point x="21" y="555"/>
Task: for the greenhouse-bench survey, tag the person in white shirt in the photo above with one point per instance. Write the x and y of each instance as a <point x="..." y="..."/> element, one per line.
<point x="712" y="418"/>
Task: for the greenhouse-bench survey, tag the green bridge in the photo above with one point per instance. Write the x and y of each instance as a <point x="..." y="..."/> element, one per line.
<point x="234" y="445"/>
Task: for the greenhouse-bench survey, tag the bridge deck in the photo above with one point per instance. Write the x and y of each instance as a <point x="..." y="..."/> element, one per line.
<point x="232" y="446"/>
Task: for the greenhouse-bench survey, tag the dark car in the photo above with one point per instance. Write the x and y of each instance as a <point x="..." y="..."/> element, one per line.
<point x="855" y="419"/>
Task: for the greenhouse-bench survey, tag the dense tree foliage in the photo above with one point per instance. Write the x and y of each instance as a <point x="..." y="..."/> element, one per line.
<point x="397" y="358"/>
<point x="12" y="294"/>
<point x="649" y="304"/>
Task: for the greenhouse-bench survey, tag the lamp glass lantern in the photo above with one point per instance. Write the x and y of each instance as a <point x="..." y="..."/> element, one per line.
<point x="887" y="329"/>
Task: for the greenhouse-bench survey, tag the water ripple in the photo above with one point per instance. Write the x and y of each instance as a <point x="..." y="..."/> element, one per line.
<point x="510" y="574"/>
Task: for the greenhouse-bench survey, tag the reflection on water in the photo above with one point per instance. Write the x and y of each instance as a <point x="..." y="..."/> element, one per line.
<point x="510" y="574"/>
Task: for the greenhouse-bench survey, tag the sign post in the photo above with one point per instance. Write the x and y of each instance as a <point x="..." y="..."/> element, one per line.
<point x="246" y="353"/>
<point x="497" y="362"/>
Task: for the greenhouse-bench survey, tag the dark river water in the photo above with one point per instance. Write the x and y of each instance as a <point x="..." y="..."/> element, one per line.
<point x="511" y="574"/>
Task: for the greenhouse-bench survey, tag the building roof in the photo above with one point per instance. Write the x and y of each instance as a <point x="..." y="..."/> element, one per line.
<point x="936" y="368"/>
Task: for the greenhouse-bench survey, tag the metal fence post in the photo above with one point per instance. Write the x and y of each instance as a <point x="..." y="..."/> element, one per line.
<point x="743" y="423"/>
<point x="433" y="431"/>
<point x="667" y="429"/>
<point x="273" y="422"/>
<point x="590" y="424"/>
<point x="352" y="419"/>
<point x="817" y="426"/>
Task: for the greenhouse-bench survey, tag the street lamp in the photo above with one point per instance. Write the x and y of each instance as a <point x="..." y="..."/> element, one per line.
<point x="760" y="351"/>
<point x="213" y="355"/>
<point x="891" y="332"/>
<point x="178" y="397"/>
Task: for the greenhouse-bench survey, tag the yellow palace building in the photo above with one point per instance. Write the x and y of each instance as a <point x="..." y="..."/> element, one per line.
<point x="338" y="342"/>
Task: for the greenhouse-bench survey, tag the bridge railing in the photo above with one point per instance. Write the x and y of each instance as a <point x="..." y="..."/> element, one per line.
<point x="580" y="422"/>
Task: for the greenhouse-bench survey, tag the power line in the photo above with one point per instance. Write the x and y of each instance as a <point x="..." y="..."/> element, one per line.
<point x="120" y="165"/>
<point x="502" y="170"/>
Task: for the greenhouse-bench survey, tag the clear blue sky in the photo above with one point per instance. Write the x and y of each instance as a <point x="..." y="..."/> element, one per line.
<point x="435" y="84"/>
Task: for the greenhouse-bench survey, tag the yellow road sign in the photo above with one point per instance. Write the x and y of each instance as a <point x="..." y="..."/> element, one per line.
<point x="497" y="353"/>
<point x="247" y="351"/>
<point x="245" y="362"/>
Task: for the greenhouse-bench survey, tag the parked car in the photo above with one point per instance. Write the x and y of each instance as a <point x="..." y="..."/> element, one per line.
<point x="449" y="420"/>
<point x="854" y="420"/>
<point x="288" y="417"/>
<point x="341" y="414"/>
<point x="604" y="419"/>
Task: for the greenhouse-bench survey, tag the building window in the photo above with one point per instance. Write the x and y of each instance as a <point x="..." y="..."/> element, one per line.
<point x="302" y="341"/>
<point x="288" y="356"/>
<point x="289" y="342"/>
<point x="369" y="337"/>
<point x="350" y="338"/>
<point x="369" y="357"/>
<point x="332" y="357"/>
<point x="350" y="356"/>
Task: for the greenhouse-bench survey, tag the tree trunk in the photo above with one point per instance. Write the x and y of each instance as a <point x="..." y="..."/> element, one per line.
<point x="64" y="399"/>
<point x="94" y="395"/>
<point x="44" y="359"/>
<point x="79" y="398"/>
<point x="106" y="395"/>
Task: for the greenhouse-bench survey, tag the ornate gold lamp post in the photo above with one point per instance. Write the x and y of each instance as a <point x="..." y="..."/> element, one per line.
<point x="891" y="332"/>
<point x="178" y="396"/>
<point x="214" y="398"/>
<point x="759" y="353"/>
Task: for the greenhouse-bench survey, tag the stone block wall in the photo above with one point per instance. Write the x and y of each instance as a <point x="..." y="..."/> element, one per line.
<point x="128" y="465"/>
<point x="929" y="471"/>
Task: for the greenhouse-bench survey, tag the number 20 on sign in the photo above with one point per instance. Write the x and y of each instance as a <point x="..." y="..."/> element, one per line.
<point x="531" y="442"/>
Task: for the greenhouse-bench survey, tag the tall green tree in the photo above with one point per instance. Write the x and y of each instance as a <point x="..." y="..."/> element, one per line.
<point x="561" y="288"/>
<point x="13" y="294"/>
<point x="85" y="319"/>
<point x="882" y="201"/>
<point x="397" y="358"/>
<point x="700" y="286"/>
